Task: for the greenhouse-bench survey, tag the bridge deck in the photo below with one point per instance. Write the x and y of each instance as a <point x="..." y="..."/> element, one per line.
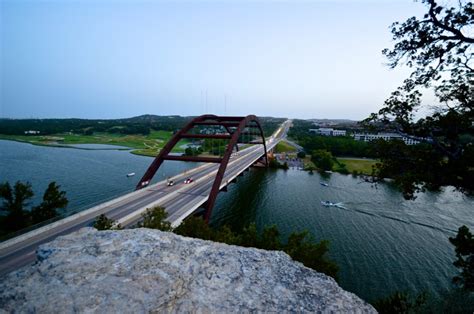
<point x="180" y="201"/>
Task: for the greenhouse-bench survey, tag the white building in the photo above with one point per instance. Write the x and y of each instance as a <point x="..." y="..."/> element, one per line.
<point x="32" y="132"/>
<point x="338" y="132"/>
<point x="366" y="137"/>
<point x="328" y="132"/>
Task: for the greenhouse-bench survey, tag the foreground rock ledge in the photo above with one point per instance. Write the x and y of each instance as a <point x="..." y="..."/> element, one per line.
<point x="143" y="270"/>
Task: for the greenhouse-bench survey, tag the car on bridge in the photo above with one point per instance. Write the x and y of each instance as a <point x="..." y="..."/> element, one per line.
<point x="188" y="180"/>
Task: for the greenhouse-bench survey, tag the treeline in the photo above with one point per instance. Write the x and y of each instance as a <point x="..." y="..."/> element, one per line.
<point x="15" y="200"/>
<point x="270" y="125"/>
<point x="136" y="125"/>
<point x="336" y="145"/>
<point x="300" y="246"/>
<point x="300" y="128"/>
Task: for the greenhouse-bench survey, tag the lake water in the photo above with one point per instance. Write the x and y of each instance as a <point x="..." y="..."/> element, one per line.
<point x="89" y="176"/>
<point x="381" y="242"/>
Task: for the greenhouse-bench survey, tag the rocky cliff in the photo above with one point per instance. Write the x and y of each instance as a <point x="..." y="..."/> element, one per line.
<point x="143" y="270"/>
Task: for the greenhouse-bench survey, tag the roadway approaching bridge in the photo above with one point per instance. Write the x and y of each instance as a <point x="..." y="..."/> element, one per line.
<point x="180" y="200"/>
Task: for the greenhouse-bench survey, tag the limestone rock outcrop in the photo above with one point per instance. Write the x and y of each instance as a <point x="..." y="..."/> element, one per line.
<point x="143" y="270"/>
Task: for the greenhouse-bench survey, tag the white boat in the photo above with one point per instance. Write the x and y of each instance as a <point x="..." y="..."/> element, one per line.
<point x="131" y="174"/>
<point x="323" y="183"/>
<point x="331" y="204"/>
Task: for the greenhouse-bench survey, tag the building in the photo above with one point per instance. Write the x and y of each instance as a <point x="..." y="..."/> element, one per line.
<point x="328" y="132"/>
<point x="367" y="137"/>
<point x="338" y="132"/>
<point x="32" y="132"/>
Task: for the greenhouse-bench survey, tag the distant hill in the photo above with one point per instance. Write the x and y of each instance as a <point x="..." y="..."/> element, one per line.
<point x="333" y="121"/>
<point x="135" y="125"/>
<point x="154" y="118"/>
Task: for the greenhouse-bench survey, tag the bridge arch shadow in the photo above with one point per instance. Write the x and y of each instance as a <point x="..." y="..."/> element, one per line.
<point x="235" y="128"/>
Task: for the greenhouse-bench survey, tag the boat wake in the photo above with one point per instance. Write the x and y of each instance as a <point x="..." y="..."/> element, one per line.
<point x="385" y="216"/>
<point x="331" y="204"/>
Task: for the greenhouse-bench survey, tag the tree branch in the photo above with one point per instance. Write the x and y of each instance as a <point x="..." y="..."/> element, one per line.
<point x="457" y="33"/>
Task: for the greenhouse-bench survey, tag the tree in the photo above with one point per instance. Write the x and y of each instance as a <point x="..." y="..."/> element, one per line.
<point x="273" y="163"/>
<point x="270" y="238"/>
<point x="102" y="222"/>
<point x="225" y="235"/>
<point x="439" y="49"/>
<point x="191" y="151"/>
<point x="302" y="248"/>
<point x="53" y="199"/>
<point x="400" y="303"/>
<point x="194" y="227"/>
<point x="299" y="246"/>
<point x="14" y="202"/>
<point x="250" y="236"/>
<point x="155" y="218"/>
<point x="322" y="159"/>
<point x="464" y="247"/>
<point x="301" y="154"/>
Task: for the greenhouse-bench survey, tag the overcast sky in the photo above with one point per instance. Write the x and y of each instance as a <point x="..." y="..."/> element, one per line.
<point x="112" y="59"/>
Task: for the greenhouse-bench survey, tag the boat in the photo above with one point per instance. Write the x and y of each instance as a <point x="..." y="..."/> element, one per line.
<point x="131" y="174"/>
<point x="323" y="183"/>
<point x="331" y="204"/>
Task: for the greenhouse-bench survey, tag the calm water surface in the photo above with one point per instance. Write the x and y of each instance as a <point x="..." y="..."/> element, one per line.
<point x="381" y="242"/>
<point x="89" y="176"/>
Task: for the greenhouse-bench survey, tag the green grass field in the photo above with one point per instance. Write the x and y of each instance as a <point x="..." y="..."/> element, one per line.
<point x="363" y="166"/>
<point x="284" y="147"/>
<point x="148" y="145"/>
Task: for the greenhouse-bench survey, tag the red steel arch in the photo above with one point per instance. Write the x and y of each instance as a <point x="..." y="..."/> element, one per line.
<point x="239" y="123"/>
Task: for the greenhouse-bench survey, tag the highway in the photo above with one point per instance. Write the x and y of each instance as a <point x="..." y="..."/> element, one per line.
<point x="180" y="201"/>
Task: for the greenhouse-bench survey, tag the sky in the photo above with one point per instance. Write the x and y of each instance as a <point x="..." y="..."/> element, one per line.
<point x="117" y="59"/>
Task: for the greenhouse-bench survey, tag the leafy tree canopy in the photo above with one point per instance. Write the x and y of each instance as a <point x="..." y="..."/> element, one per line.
<point x="53" y="199"/>
<point x="439" y="49"/>
<point x="102" y="222"/>
<point x="322" y="159"/>
<point x="401" y="302"/>
<point x="155" y="218"/>
<point x="464" y="246"/>
<point x="300" y="246"/>
<point x="14" y="202"/>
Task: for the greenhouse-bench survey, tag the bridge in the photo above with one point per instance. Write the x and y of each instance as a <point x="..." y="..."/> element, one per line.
<point x="180" y="200"/>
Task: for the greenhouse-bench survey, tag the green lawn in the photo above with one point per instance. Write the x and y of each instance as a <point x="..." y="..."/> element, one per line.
<point x="284" y="147"/>
<point x="148" y="145"/>
<point x="363" y="166"/>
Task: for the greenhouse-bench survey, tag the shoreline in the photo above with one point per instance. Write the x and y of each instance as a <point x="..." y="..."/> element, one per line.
<point x="124" y="148"/>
